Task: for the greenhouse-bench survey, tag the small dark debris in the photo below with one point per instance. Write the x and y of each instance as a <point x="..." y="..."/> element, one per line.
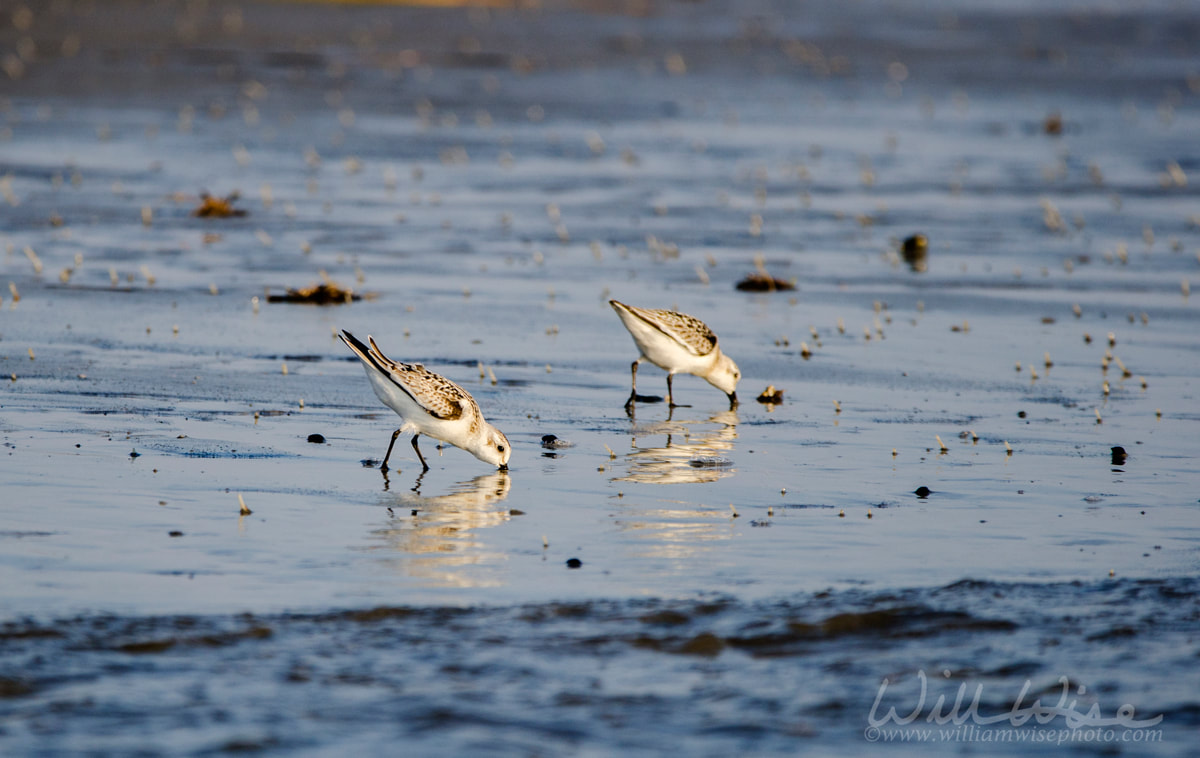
<point x="915" y="252"/>
<point x="1053" y="124"/>
<point x="1048" y="319"/>
<point x="325" y="293"/>
<point x="761" y="281"/>
<point x="1118" y="456"/>
<point x="218" y="207"/>
<point x="175" y="533"/>
<point x="134" y="454"/>
<point x="316" y="439"/>
<point x="574" y="563"/>
<point x="554" y="442"/>
<point x="757" y="522"/>
<point x="770" y="396"/>
<point x="369" y="463"/>
<point x="1021" y="414"/>
<point x="922" y="492"/>
<point x="415" y="511"/>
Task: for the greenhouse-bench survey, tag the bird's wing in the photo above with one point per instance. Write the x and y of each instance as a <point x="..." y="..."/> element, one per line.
<point x="687" y="330"/>
<point x="440" y="397"/>
<point x="437" y="395"/>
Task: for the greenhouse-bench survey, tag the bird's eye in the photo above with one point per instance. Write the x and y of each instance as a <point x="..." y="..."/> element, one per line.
<point x="500" y="448"/>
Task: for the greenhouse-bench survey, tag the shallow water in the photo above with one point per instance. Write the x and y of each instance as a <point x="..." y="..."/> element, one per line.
<point x="708" y="677"/>
<point x="748" y="577"/>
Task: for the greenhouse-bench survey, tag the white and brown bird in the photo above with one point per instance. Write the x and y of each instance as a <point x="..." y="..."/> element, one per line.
<point x="677" y="342"/>
<point x="430" y="404"/>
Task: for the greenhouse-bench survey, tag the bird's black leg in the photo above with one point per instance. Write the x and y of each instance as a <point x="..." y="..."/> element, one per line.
<point x="414" y="444"/>
<point x="671" y="394"/>
<point x="383" y="466"/>
<point x="633" y="390"/>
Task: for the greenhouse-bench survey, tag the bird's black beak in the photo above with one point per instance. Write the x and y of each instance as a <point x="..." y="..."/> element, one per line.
<point x="733" y="400"/>
<point x="504" y="467"/>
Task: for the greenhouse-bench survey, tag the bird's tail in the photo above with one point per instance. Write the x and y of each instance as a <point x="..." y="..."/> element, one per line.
<point x="355" y="344"/>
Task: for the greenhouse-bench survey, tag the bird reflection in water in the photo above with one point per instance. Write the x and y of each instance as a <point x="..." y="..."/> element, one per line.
<point x="437" y="537"/>
<point x="687" y="456"/>
<point x="674" y="533"/>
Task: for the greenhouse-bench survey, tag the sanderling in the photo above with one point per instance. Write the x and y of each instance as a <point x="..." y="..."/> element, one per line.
<point x="430" y="404"/>
<point x="677" y="342"/>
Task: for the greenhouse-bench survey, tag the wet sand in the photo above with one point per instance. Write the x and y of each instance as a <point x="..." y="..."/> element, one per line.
<point x="488" y="180"/>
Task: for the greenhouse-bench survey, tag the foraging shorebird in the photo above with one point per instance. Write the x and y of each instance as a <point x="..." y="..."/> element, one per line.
<point x="430" y="404"/>
<point x="676" y="342"/>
